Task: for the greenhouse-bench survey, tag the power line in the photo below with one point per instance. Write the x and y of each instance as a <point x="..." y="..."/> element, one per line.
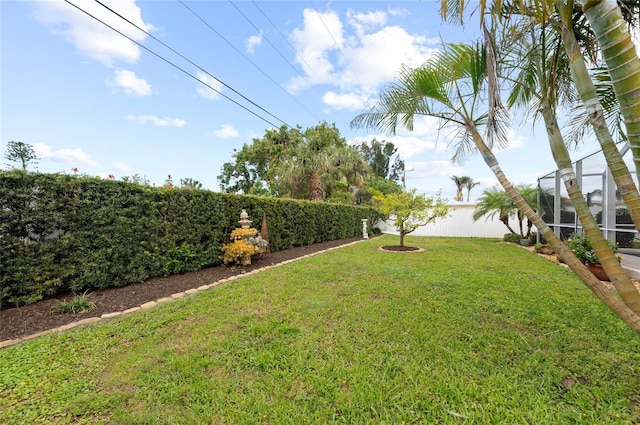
<point x="329" y="31"/>
<point x="332" y="38"/>
<point x="285" y="39"/>
<point x="248" y="59"/>
<point x="266" y="38"/>
<point x="168" y="61"/>
<point x="188" y="60"/>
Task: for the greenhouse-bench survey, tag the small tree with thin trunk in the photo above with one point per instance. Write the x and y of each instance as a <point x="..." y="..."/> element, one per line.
<point x="409" y="210"/>
<point x="22" y="153"/>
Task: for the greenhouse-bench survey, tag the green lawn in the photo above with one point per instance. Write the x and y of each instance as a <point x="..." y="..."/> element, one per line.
<point x="470" y="331"/>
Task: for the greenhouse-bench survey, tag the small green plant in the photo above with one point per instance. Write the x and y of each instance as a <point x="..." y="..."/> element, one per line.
<point x="512" y="237"/>
<point x="537" y="248"/>
<point x="77" y="304"/>
<point x="580" y="244"/>
<point x="183" y="259"/>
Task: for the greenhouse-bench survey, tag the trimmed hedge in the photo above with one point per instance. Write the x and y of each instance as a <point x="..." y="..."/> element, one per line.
<point x="62" y="233"/>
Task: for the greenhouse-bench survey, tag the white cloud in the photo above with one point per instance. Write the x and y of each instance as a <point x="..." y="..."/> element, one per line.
<point x="130" y="83"/>
<point x="408" y="145"/>
<point x="424" y="137"/>
<point x="158" y="122"/>
<point x="369" y="55"/>
<point x="440" y="168"/>
<point x="378" y="56"/>
<point x="351" y="101"/>
<point x="398" y="12"/>
<point x="253" y="41"/>
<point x="205" y="91"/>
<point x="68" y="156"/>
<point x="314" y="43"/>
<point x="226" y="131"/>
<point x="362" y="22"/>
<point x="516" y="140"/>
<point x="90" y="37"/>
<point x="123" y="167"/>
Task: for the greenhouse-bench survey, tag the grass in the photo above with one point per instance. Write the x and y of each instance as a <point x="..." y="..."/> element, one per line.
<point x="470" y="331"/>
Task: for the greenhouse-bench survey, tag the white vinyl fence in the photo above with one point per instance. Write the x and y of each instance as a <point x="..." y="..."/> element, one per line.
<point x="458" y="223"/>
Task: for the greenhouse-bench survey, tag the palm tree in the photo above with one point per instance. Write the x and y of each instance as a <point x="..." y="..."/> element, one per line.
<point x="568" y="20"/>
<point x="539" y="55"/>
<point x="449" y="87"/>
<point x="459" y="182"/>
<point x="470" y="184"/>
<point x="596" y="113"/>
<point x="495" y="201"/>
<point x="322" y="154"/>
<point x="610" y="26"/>
<point x="542" y="83"/>
<point x="548" y="73"/>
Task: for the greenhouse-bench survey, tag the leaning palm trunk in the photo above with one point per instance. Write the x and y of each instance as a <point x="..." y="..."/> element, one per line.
<point x="623" y="64"/>
<point x="600" y="245"/>
<point x="618" y="307"/>
<point x="583" y="83"/>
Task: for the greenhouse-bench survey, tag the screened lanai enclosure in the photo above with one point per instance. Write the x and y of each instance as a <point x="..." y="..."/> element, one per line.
<point x="601" y="195"/>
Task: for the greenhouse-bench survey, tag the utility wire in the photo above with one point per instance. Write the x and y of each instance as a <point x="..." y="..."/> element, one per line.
<point x="248" y="59"/>
<point x="266" y="38"/>
<point x="329" y="31"/>
<point x="169" y="62"/>
<point x="188" y="60"/>
<point x="285" y="39"/>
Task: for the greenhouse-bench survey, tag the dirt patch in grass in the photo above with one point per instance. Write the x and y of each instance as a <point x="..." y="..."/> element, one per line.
<point x="41" y="316"/>
<point x="398" y="248"/>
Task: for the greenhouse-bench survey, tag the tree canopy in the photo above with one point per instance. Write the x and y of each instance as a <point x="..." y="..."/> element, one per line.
<point x="379" y="155"/>
<point x="409" y="210"/>
<point x="307" y="164"/>
<point x="21" y="153"/>
<point x="253" y="169"/>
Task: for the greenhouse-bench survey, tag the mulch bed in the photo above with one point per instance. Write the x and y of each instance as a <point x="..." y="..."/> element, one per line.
<point x="398" y="248"/>
<point x="19" y="322"/>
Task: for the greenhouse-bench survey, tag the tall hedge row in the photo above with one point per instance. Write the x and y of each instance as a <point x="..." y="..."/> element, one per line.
<point x="63" y="233"/>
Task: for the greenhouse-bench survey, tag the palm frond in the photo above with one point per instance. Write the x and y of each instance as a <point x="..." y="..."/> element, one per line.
<point x="497" y="115"/>
<point x="451" y="86"/>
<point x="580" y="124"/>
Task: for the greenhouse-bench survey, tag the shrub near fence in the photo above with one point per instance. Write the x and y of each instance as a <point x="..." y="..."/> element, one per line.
<point x="62" y="233"/>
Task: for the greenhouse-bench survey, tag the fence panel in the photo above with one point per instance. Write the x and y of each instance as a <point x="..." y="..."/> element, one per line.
<point x="459" y="223"/>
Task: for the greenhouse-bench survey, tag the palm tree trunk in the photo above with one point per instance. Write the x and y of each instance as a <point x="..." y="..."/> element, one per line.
<point x="505" y="221"/>
<point x="600" y="245"/>
<point x="623" y="64"/>
<point x="315" y="184"/>
<point x="618" y="307"/>
<point x="618" y="168"/>
<point x="520" y="220"/>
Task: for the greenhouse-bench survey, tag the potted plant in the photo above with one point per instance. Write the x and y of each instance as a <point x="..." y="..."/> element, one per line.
<point x="542" y="248"/>
<point x="581" y="246"/>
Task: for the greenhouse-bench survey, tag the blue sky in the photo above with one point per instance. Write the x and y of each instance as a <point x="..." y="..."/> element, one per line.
<point x="86" y="97"/>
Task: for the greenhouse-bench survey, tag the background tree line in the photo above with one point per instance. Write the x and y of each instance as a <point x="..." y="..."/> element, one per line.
<point x="315" y="164"/>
